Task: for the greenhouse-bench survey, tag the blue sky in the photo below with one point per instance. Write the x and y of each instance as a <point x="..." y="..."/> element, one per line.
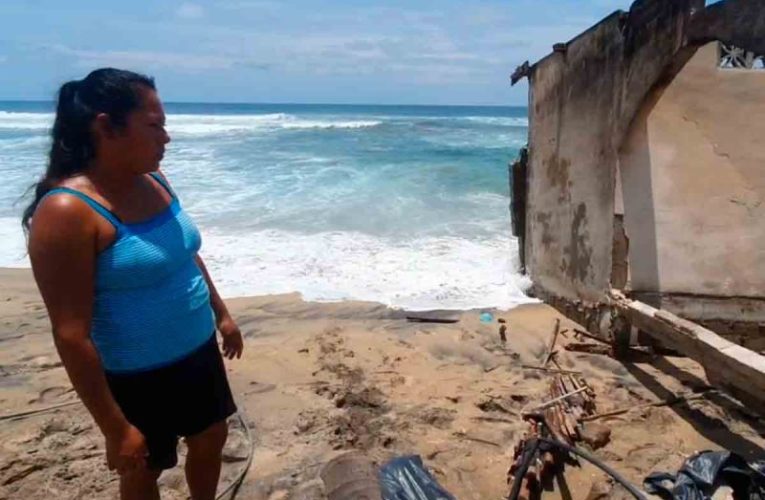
<point x="353" y="51"/>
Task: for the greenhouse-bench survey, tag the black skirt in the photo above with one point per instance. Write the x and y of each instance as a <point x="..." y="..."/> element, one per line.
<point x="178" y="400"/>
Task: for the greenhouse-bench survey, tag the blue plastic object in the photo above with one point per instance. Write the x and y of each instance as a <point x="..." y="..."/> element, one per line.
<point x="486" y="317"/>
<point x="405" y="478"/>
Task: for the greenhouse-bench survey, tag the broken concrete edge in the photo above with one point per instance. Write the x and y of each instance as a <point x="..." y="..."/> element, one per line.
<point x="729" y="366"/>
<point x="733" y="22"/>
<point x="738" y="319"/>
<point x="595" y="317"/>
<point x="525" y="70"/>
<point x="737" y="22"/>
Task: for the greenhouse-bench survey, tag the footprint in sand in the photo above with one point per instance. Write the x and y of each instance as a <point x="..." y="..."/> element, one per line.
<point x="50" y="394"/>
<point x="40" y="363"/>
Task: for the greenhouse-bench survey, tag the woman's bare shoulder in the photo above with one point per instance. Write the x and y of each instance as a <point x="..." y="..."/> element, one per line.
<point x="62" y="213"/>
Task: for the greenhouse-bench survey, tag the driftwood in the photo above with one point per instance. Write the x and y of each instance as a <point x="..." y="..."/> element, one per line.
<point x="666" y="402"/>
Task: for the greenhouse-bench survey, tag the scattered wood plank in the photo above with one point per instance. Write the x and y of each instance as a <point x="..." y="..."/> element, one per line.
<point x="425" y="319"/>
<point x="547" y="404"/>
<point x="560" y="418"/>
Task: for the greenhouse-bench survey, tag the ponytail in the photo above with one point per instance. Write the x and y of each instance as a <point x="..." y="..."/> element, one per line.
<point x="111" y="91"/>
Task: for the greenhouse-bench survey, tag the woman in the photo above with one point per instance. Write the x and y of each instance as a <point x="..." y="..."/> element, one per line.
<point x="131" y="304"/>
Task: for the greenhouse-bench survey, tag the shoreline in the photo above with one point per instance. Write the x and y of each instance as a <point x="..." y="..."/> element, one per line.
<point x="319" y="379"/>
<point x="25" y="273"/>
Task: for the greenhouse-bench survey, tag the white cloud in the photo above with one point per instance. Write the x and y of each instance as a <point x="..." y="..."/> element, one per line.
<point x="190" y="11"/>
<point x="154" y="60"/>
<point x="398" y="44"/>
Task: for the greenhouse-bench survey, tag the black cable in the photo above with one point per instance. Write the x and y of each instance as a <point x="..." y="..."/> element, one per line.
<point x="534" y="444"/>
<point x="233" y="488"/>
<point x="529" y="454"/>
<point x="594" y="461"/>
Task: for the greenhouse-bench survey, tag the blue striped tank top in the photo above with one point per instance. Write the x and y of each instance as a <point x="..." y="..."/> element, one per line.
<point x="152" y="304"/>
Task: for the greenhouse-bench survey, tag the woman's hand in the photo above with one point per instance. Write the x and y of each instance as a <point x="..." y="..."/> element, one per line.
<point x="126" y="450"/>
<point x="232" y="338"/>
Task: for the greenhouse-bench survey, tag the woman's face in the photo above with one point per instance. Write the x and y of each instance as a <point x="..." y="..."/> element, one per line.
<point x="140" y="145"/>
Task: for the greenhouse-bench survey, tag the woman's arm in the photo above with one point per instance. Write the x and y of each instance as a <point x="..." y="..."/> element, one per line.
<point x="229" y="331"/>
<point x="62" y="248"/>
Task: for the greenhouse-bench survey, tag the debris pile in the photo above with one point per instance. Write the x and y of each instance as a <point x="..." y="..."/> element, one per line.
<point x="570" y="401"/>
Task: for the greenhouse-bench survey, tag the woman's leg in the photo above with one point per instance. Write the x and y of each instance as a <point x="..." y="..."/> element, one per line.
<point x="203" y="460"/>
<point x="139" y="485"/>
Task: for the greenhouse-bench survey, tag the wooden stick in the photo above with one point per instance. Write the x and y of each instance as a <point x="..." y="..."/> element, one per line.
<point x="477" y="440"/>
<point x="557" y="420"/>
<point x="591" y="336"/>
<point x="569" y="409"/>
<point x="666" y="402"/>
<point x="551" y="349"/>
<point x="564" y="425"/>
<point x="556" y="400"/>
<point x="551" y="370"/>
<point x="496" y="419"/>
<point x="562" y="389"/>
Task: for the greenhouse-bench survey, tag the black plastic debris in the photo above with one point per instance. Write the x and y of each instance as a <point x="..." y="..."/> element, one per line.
<point x="405" y="478"/>
<point x="703" y="473"/>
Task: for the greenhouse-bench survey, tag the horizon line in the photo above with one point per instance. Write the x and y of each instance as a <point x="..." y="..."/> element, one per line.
<point x="303" y="103"/>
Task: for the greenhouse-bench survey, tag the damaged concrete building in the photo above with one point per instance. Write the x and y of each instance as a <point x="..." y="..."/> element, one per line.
<point x="639" y="204"/>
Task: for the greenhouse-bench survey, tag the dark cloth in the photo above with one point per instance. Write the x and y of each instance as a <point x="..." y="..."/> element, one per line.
<point x="702" y="473"/>
<point x="181" y="399"/>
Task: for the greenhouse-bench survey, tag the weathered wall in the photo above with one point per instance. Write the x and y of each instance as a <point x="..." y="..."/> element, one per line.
<point x="736" y="22"/>
<point x="581" y="101"/>
<point x="693" y="180"/>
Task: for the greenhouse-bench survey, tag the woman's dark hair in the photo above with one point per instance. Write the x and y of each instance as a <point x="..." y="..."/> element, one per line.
<point x="112" y="91"/>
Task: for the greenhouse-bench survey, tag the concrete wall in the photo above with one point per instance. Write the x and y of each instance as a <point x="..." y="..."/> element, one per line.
<point x="693" y="181"/>
<point x="735" y="22"/>
<point x="582" y="99"/>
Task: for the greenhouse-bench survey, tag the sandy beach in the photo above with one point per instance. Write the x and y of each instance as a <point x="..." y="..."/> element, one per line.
<point x="319" y="379"/>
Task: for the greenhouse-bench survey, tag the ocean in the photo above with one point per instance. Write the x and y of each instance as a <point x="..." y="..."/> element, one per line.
<point x="404" y="205"/>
